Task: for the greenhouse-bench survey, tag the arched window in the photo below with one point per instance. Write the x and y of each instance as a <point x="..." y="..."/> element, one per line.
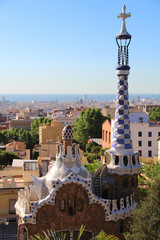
<point x="133" y="160"/>
<point x="125" y="160"/>
<point x="62" y="205"/>
<point x="71" y="205"/>
<point x="116" y="160"/>
<point x="80" y="204"/>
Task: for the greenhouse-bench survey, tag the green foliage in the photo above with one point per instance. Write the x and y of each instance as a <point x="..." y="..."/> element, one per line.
<point x="6" y="158"/>
<point x="92" y="167"/>
<point x="145" y="221"/>
<point x="6" y="135"/>
<point x="103" y="236"/>
<point x="91" y="157"/>
<point x="49" y="235"/>
<point x="82" y="228"/>
<point x="102" y="151"/>
<point x="29" y="137"/>
<point x="89" y="146"/>
<point x="52" y="235"/>
<point x="95" y="149"/>
<point x="154" y="114"/>
<point x="151" y="170"/>
<point x="35" y="155"/>
<point x="88" y="125"/>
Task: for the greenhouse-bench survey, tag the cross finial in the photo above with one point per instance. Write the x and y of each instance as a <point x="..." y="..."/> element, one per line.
<point x="123" y="15"/>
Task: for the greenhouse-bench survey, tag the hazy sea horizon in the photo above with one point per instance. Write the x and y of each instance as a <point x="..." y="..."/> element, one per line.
<point x="70" y="97"/>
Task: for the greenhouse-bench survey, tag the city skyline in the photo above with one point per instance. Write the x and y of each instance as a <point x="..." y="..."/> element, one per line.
<point x="68" y="47"/>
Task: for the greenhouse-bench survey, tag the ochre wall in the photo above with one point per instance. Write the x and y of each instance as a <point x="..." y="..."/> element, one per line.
<point x="50" y="132"/>
<point x="106" y="131"/>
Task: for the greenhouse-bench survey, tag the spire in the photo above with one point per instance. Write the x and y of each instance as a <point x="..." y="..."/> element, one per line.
<point x="123" y="39"/>
<point x="123" y="32"/>
<point x="123" y="158"/>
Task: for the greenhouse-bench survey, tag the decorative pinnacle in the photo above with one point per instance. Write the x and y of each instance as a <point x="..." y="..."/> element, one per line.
<point x="123" y="15"/>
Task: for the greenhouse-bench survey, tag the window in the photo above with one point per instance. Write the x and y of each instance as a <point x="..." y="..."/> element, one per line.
<point x="80" y="204"/>
<point x="149" y="143"/>
<point x="11" y="206"/>
<point x="31" y="166"/>
<point x="62" y="205"/>
<point x="139" y="134"/>
<point x="141" y="120"/>
<point x="103" y="135"/>
<point x="140" y="143"/>
<point x="71" y="205"/>
<point x="133" y="160"/>
<point x="109" y="137"/>
<point x="106" y="135"/>
<point x="149" y="134"/>
<point x="140" y="153"/>
<point x="125" y="160"/>
<point x="116" y="160"/>
<point x="149" y="153"/>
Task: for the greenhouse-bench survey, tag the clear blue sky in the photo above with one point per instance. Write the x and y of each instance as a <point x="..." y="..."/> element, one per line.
<point x="68" y="46"/>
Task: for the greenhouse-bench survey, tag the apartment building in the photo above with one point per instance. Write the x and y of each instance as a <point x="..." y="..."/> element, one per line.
<point x="143" y="134"/>
<point x="18" y="148"/>
<point x="12" y="179"/>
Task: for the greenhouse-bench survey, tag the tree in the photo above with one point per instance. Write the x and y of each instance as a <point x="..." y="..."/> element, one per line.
<point x="88" y="125"/>
<point x="145" y="221"/>
<point x="6" y="135"/>
<point x="154" y="114"/>
<point x="6" y="158"/>
<point x="92" y="167"/>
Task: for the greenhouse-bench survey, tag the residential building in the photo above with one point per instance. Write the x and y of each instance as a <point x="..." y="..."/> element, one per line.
<point x="143" y="136"/>
<point x="18" y="148"/>
<point x="21" y="123"/>
<point x="50" y="133"/>
<point x="106" y="134"/>
<point x="109" y="110"/>
<point x="12" y="179"/>
<point x="138" y="117"/>
<point x="48" y="150"/>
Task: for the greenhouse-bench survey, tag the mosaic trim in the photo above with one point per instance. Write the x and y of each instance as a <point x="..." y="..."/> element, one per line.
<point x="111" y="214"/>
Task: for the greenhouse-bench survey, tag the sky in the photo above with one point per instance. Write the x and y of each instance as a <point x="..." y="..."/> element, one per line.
<point x="69" y="47"/>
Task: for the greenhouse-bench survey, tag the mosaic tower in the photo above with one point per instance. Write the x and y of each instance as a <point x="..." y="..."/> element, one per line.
<point x="123" y="158"/>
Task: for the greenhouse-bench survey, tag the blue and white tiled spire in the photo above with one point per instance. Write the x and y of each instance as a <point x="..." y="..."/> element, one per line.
<point x="123" y="158"/>
<point x="121" y="139"/>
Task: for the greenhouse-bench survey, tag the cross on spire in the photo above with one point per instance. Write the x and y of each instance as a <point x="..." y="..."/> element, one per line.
<point x="123" y="15"/>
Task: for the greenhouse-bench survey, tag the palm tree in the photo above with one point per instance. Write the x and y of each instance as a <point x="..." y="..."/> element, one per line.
<point x="52" y="235"/>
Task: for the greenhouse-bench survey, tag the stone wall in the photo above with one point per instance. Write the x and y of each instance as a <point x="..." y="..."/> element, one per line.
<point x="58" y="217"/>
